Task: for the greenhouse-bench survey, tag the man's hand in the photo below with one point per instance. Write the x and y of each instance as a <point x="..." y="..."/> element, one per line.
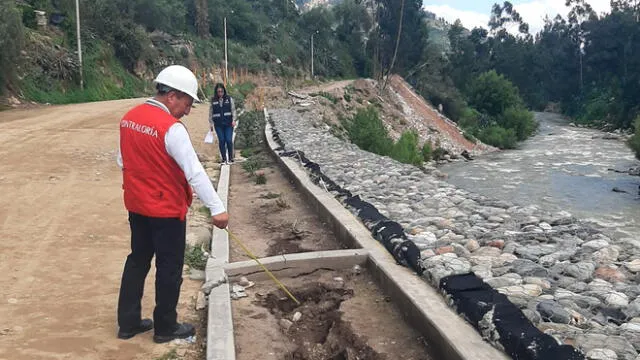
<point x="221" y="220"/>
<point x="233" y="124"/>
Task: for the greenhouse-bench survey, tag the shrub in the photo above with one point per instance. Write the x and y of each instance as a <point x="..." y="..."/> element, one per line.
<point x="520" y="120"/>
<point x="499" y="137"/>
<point x="427" y="152"/>
<point x="634" y="142"/>
<point x="249" y="133"/>
<point x="195" y="258"/>
<point x="406" y="149"/>
<point x="439" y="153"/>
<point x="369" y="133"/>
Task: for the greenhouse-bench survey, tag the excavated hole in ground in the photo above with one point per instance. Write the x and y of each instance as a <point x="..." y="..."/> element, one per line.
<point x="320" y="334"/>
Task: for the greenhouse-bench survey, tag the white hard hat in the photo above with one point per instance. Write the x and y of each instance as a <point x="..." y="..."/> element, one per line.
<point x="179" y="78"/>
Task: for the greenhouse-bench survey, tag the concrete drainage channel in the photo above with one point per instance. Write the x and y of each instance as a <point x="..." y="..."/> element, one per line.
<point x="448" y="335"/>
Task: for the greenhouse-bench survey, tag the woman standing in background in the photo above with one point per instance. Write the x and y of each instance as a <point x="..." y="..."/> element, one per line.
<point x="222" y="118"/>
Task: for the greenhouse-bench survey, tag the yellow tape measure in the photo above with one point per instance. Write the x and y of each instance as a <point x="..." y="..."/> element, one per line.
<point x="246" y="250"/>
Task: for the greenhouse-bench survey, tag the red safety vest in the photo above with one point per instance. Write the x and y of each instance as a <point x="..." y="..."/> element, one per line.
<point x="153" y="183"/>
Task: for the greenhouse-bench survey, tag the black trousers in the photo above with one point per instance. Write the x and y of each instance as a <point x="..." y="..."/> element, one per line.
<point x="166" y="239"/>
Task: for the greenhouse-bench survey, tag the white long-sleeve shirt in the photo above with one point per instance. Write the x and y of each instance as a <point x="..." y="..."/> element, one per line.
<point x="179" y="147"/>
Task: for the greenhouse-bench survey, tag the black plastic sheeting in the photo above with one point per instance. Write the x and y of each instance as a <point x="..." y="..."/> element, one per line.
<point x="507" y="325"/>
<point x="490" y="312"/>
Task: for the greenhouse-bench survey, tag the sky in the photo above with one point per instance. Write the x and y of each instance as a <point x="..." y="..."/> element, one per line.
<point x="474" y="13"/>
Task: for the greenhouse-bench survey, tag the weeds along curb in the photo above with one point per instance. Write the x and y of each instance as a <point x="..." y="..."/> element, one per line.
<point x="450" y="336"/>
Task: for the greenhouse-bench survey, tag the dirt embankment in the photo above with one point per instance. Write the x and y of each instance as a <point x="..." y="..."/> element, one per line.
<point x="400" y="108"/>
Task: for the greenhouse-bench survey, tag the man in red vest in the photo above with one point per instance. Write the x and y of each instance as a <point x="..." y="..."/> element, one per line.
<point x="159" y="167"/>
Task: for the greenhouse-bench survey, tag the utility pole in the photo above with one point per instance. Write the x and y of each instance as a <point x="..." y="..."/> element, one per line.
<point x="79" y="43"/>
<point x="226" y="59"/>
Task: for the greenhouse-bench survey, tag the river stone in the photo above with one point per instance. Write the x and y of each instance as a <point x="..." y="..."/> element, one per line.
<point x="606" y="255"/>
<point x="472" y="245"/>
<point x="596" y="244"/>
<point x="461" y="251"/>
<point x="534" y="252"/>
<point x="576" y="286"/>
<point x="609" y="273"/>
<point x="525" y="267"/>
<point x="545" y="226"/>
<point x="483" y="271"/>
<point x="616" y="299"/>
<point x="582" y="271"/>
<point x="633" y="310"/>
<point x="632" y="327"/>
<point x="554" y="312"/>
<point x="544" y="283"/>
<point x="441" y="266"/>
<point x="602" y="354"/>
<point x="547" y="261"/>
<point x="617" y="344"/>
<point x="504" y="281"/>
<point x="522" y="291"/>
<point x="633" y="266"/>
<point x="532" y="315"/>
<point x="562" y="218"/>
<point x="599" y="285"/>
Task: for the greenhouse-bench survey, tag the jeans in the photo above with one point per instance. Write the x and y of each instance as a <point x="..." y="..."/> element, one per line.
<point x="166" y="239"/>
<point x="225" y="141"/>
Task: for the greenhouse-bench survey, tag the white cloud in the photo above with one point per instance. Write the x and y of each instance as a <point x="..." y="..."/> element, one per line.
<point x="470" y="19"/>
<point x="533" y="13"/>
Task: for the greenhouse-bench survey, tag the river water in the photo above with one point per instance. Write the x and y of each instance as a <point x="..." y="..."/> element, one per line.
<point x="560" y="168"/>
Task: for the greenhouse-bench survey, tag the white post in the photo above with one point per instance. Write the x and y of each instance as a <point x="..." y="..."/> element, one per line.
<point x="79" y="43"/>
<point x="312" y="56"/>
<point x="226" y="61"/>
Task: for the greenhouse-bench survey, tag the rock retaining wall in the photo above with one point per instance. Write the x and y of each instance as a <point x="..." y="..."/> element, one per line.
<point x="566" y="278"/>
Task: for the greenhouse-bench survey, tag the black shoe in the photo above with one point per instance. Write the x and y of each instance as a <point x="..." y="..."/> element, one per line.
<point x="231" y="162"/>
<point x="145" y="325"/>
<point x="182" y="331"/>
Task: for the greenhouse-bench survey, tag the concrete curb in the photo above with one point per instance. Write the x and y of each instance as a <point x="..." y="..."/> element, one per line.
<point x="220" y="343"/>
<point x="293" y="265"/>
<point x="450" y="337"/>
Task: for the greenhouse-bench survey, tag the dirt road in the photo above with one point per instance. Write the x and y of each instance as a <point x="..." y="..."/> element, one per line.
<point x="64" y="234"/>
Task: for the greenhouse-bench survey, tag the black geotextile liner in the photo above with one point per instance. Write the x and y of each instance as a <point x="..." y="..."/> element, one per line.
<point x="471" y="296"/>
<point x="473" y="299"/>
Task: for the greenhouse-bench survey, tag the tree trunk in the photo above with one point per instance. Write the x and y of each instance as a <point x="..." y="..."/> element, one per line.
<point x="202" y="18"/>
<point x="395" y="52"/>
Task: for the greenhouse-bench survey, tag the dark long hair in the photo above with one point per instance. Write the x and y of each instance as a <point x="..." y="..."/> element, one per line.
<point x="215" y="91"/>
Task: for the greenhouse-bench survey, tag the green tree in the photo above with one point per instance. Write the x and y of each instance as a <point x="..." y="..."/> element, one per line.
<point x="492" y="94"/>
<point x="11" y="40"/>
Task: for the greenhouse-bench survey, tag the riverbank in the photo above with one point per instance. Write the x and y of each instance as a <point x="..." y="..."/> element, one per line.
<point x="569" y="278"/>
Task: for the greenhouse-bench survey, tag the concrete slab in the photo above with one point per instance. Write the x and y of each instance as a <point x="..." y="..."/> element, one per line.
<point x="292" y="265"/>
<point x="450" y="336"/>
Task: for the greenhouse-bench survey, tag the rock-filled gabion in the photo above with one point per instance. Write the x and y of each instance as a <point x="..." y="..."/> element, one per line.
<point x="565" y="278"/>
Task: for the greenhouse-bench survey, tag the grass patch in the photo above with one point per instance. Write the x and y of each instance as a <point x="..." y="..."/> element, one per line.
<point x="195" y="258"/>
<point x="270" y="196"/>
<point x="171" y="355"/>
<point x="204" y="211"/>
<point x="261" y="178"/>
<point x="253" y="164"/>
<point x="347" y="97"/>
<point x="325" y="95"/>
